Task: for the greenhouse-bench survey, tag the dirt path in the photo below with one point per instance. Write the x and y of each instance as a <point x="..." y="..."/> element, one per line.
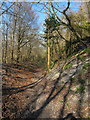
<point x="18" y="88"/>
<point x="29" y="93"/>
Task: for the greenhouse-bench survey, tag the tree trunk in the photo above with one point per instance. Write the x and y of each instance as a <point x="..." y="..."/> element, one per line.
<point x="48" y="62"/>
<point x="18" y="54"/>
<point x="6" y="46"/>
<point x="18" y="47"/>
<point x="13" y="37"/>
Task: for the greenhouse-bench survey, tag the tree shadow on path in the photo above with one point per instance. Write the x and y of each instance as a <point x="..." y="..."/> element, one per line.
<point x="38" y="112"/>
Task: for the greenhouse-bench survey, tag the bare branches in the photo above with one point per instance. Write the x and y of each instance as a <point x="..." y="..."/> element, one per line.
<point x="7" y="8"/>
<point x="61" y="35"/>
<point x="68" y="24"/>
<point x="64" y="11"/>
<point x="53" y="8"/>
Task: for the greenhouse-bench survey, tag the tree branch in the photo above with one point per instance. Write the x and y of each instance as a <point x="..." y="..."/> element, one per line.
<point x="7" y="8"/>
<point x="64" y="11"/>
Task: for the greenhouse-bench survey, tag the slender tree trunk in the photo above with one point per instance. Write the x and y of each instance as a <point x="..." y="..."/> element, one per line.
<point x="12" y="52"/>
<point x="30" y="50"/>
<point x="18" y="47"/>
<point x="55" y="50"/>
<point x="48" y="62"/>
<point x="3" y="45"/>
<point x="18" y="53"/>
<point x="58" y="48"/>
<point x="6" y="45"/>
<point x="13" y="37"/>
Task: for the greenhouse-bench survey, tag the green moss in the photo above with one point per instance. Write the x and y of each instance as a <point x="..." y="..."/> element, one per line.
<point x="82" y="58"/>
<point x="63" y="82"/>
<point x="61" y="101"/>
<point x="68" y="66"/>
<point x="87" y="51"/>
<point x="71" y="90"/>
<point x="67" y="105"/>
<point x="82" y="81"/>
<point x="73" y="78"/>
<point x="64" y="87"/>
<point x="85" y="66"/>
<point x="52" y="65"/>
<point x="82" y="71"/>
<point x="80" y="89"/>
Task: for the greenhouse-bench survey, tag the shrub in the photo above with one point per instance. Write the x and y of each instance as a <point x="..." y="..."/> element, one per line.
<point x="82" y="71"/>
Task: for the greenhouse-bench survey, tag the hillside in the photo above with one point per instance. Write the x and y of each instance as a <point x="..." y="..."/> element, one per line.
<point x="32" y="93"/>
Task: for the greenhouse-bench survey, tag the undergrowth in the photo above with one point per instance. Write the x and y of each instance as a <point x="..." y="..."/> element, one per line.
<point x="68" y="66"/>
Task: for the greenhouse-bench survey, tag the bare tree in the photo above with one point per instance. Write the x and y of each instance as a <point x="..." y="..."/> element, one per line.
<point x="22" y="29"/>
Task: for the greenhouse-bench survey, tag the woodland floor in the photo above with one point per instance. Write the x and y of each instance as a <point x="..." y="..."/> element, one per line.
<point x="28" y="94"/>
